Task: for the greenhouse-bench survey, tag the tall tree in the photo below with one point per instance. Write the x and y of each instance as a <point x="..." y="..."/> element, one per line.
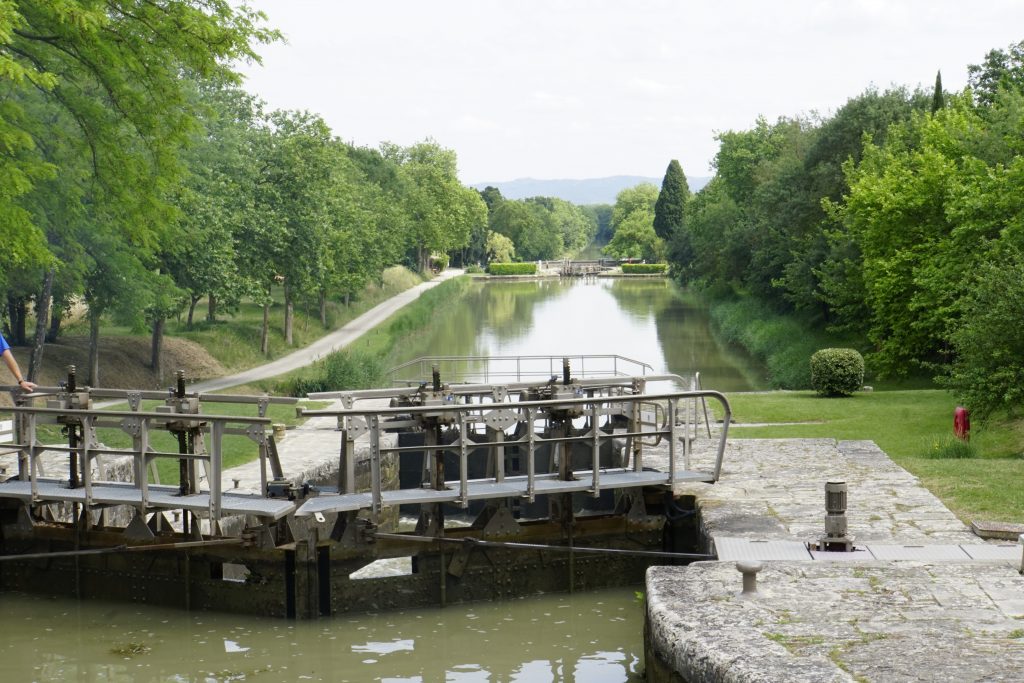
<point x="442" y="212"/>
<point x="670" y="209"/>
<point x="938" y="99"/>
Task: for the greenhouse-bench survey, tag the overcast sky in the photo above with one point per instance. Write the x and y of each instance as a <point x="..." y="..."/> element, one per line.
<point x="592" y="88"/>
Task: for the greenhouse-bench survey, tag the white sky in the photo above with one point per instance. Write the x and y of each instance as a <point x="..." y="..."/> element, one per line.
<point x="593" y="88"/>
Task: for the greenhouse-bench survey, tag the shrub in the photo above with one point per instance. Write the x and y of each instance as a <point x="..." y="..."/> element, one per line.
<point x="473" y="269"/>
<point x="512" y="268"/>
<point x="339" y="371"/>
<point x="644" y="268"/>
<point x="837" y="372"/>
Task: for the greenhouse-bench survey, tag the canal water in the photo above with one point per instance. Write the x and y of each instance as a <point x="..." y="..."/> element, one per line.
<point x="594" y="637"/>
<point x="646" y="319"/>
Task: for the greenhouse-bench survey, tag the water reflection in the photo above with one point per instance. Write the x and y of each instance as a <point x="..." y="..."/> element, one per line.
<point x="583" y="637"/>
<point x="648" y="320"/>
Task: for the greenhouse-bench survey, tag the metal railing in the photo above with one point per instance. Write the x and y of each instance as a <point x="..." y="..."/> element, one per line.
<point x="504" y="369"/>
<point x="200" y="441"/>
<point x="534" y="427"/>
<point x="140" y="425"/>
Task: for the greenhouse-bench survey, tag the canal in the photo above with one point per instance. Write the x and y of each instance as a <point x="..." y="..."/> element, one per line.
<point x="646" y="319"/>
<point x="586" y="637"/>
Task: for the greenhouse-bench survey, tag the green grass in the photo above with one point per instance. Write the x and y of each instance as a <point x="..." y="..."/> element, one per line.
<point x="914" y="428"/>
<point x="233" y="339"/>
<point x="364" y="363"/>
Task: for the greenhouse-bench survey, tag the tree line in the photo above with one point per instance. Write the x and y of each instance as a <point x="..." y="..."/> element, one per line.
<point x="138" y="177"/>
<point x="536" y="228"/>
<point x="898" y="220"/>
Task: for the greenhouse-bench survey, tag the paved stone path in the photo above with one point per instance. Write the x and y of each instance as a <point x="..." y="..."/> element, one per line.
<point x="834" y="621"/>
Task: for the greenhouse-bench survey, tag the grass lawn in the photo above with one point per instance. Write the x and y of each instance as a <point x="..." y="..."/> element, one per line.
<point x="915" y="429"/>
<point x="233" y="339"/>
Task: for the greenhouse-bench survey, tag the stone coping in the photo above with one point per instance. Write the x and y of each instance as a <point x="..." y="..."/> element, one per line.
<point x="817" y="621"/>
<point x="812" y="620"/>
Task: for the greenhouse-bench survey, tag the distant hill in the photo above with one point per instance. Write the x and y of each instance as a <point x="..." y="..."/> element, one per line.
<point x="585" y="191"/>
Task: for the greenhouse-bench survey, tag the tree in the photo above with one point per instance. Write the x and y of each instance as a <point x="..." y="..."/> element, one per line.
<point x="1001" y="70"/>
<point x="529" y="227"/>
<point x="600" y="215"/>
<point x="635" y="238"/>
<point x="499" y="248"/>
<point x="670" y="209"/>
<point x="938" y="99"/>
<point x="642" y="197"/>
<point x="216" y="200"/>
<point x="113" y="70"/>
<point x="573" y="226"/>
<point x="94" y="115"/>
<point x="442" y="212"/>
<point x="988" y="371"/>
<point x="492" y="197"/>
<point x="295" y="188"/>
<point x="633" y="225"/>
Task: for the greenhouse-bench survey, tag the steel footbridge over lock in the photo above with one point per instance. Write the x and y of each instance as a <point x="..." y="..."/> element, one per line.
<point x="535" y="480"/>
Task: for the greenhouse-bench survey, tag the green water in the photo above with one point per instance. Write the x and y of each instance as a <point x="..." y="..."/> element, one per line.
<point x="644" y="319"/>
<point x="592" y="637"/>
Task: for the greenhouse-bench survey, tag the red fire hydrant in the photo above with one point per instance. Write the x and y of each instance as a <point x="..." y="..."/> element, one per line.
<point x="962" y="423"/>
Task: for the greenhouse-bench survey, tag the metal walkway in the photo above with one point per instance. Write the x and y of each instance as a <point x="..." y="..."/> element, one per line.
<point x="159" y="498"/>
<point x="464" y="442"/>
<point x="519" y="440"/>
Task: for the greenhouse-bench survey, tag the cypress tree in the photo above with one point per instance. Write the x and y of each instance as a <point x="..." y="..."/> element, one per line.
<point x="671" y="205"/>
<point x="938" y="99"/>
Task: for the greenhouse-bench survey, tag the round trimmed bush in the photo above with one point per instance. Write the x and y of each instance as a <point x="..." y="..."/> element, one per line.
<point x="837" y="372"/>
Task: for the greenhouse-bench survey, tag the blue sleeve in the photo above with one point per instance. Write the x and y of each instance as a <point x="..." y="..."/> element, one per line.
<point x="3" y="344"/>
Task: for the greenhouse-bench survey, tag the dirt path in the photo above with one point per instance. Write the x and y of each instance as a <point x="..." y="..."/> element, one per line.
<point x="334" y="341"/>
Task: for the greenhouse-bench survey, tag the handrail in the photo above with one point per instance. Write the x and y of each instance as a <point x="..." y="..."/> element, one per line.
<point x="139" y="425"/>
<point x="471" y="418"/>
<point x="630" y="367"/>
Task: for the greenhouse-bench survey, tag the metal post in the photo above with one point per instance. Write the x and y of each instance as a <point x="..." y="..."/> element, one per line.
<point x="672" y="442"/>
<point x="530" y="466"/>
<point x="72" y="432"/>
<point x="347" y="466"/>
<point x="595" y="450"/>
<point x="183" y="474"/>
<point x="216" y="462"/>
<point x="375" y="484"/>
<point x="463" y="462"/>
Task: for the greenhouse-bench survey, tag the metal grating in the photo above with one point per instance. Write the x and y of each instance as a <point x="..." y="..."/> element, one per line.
<point x="1003" y="551"/>
<point x="855" y="555"/>
<point x="927" y="553"/>
<point x="750" y="549"/>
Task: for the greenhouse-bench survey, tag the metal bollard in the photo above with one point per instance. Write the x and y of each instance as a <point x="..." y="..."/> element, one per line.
<point x="749" y="569"/>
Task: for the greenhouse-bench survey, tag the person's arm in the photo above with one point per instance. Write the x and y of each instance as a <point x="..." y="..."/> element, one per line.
<point x="12" y="365"/>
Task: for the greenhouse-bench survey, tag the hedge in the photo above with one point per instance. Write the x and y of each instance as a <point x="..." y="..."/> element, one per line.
<point x="644" y="268"/>
<point x="512" y="268"/>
